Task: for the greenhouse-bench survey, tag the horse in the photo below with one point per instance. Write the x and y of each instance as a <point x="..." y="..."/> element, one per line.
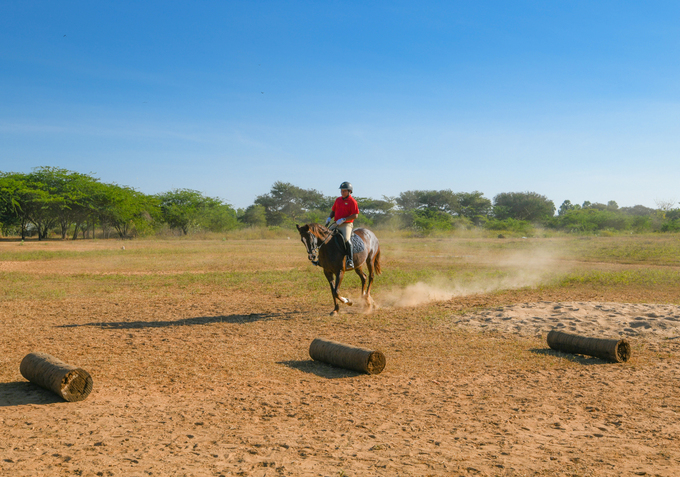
<point x="327" y="250"/>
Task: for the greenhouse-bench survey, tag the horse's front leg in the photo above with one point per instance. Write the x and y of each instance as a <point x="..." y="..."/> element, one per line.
<point x="337" y="299"/>
<point x="329" y="277"/>
<point x="338" y="281"/>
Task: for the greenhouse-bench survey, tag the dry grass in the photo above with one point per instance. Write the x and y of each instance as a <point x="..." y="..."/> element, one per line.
<point x="198" y="350"/>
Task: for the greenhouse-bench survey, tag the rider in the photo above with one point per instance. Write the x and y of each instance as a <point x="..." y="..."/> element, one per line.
<point x="344" y="211"/>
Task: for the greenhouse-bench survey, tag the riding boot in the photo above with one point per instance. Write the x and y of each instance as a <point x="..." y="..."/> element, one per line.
<point x="350" y="254"/>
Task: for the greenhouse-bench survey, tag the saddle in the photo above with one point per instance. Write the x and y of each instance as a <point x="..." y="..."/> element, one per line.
<point x="357" y="244"/>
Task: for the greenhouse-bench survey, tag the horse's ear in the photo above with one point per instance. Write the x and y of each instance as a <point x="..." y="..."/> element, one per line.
<point x="298" y="227"/>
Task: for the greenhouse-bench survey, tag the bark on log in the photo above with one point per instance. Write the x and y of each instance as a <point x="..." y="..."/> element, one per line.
<point x="69" y="382"/>
<point x="345" y="356"/>
<point x="613" y="350"/>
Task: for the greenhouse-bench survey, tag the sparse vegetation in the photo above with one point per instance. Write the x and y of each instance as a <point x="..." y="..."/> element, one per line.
<point x="53" y="202"/>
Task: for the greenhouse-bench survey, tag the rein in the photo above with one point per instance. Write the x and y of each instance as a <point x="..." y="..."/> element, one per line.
<point x="315" y="250"/>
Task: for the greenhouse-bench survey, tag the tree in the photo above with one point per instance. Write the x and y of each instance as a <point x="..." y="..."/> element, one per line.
<point x="180" y="208"/>
<point x="566" y="207"/>
<point x="216" y="216"/>
<point x="72" y="193"/>
<point x="432" y="200"/>
<point x="529" y="206"/>
<point x="119" y="207"/>
<point x="187" y="209"/>
<point x="373" y="211"/>
<point x="473" y="205"/>
<point x="286" y="202"/>
<point x="38" y="201"/>
<point x="665" y="204"/>
<point x="638" y="210"/>
<point x="254" y="216"/>
<point x="11" y="214"/>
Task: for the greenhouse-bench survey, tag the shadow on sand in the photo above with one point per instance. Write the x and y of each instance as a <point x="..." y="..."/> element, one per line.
<point x="320" y="369"/>
<point x="575" y="358"/>
<point x="22" y="392"/>
<point x="199" y="320"/>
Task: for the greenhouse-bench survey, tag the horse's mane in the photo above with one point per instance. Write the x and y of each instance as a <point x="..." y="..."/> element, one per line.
<point x="318" y="230"/>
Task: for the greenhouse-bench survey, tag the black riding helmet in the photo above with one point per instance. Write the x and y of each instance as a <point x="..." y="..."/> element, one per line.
<point x="346" y="185"/>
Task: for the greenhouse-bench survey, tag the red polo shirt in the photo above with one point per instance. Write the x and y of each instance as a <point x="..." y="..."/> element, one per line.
<point x="345" y="207"/>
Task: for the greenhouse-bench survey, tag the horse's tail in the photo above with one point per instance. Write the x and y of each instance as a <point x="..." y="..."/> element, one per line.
<point x="376" y="262"/>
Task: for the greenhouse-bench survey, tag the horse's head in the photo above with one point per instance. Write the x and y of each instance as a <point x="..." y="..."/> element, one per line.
<point x="312" y="236"/>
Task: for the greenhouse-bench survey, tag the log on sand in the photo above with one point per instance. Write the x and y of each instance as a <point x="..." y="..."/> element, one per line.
<point x="613" y="350"/>
<point x="345" y="356"/>
<point x="69" y="382"/>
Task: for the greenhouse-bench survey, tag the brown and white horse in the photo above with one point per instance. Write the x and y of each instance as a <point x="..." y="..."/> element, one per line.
<point x="328" y="252"/>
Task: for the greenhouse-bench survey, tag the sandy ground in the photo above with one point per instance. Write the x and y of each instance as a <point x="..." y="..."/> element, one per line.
<point x="645" y="322"/>
<point x="209" y="388"/>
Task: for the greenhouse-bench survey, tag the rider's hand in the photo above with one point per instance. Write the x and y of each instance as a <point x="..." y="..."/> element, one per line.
<point x="339" y="221"/>
<point x="328" y="220"/>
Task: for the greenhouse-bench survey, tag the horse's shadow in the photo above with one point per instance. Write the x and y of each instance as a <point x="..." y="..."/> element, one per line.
<point x="199" y="320"/>
<point x="574" y="358"/>
<point x="22" y="392"/>
<point x="320" y="369"/>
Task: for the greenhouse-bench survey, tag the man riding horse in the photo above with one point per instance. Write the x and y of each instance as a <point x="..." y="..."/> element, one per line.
<point x="344" y="211"/>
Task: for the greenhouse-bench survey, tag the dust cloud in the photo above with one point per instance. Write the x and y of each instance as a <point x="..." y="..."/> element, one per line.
<point x="526" y="269"/>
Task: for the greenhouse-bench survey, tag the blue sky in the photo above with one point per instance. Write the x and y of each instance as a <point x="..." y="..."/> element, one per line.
<point x="573" y="100"/>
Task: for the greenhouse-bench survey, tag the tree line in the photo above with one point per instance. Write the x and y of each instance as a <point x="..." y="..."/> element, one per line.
<point x="52" y="200"/>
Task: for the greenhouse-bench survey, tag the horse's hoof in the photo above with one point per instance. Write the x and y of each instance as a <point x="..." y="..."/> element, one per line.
<point x="334" y="313"/>
<point x="349" y="303"/>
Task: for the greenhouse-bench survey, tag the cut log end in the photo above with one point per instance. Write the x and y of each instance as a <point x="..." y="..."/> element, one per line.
<point x="76" y="385"/>
<point x="376" y="363"/>
<point x="622" y="351"/>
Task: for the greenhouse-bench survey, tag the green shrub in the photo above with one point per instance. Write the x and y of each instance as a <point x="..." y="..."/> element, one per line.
<point x="671" y="226"/>
<point x="511" y="225"/>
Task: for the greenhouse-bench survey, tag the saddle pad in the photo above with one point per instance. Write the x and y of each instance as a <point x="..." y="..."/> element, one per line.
<point x="357" y="244"/>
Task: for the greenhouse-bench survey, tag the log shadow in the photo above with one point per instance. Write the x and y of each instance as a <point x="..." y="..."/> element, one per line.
<point x="320" y="369"/>
<point x="22" y="392"/>
<point x="574" y="358"/>
<point x="199" y="320"/>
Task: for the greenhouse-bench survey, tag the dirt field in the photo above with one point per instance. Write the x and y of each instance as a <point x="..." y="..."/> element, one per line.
<point x="199" y="355"/>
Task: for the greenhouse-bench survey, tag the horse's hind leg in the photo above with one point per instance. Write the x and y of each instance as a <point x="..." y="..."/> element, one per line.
<point x="371" y="272"/>
<point x="362" y="276"/>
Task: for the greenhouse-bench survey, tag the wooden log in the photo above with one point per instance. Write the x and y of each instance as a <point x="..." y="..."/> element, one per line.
<point x="613" y="350"/>
<point x="65" y="380"/>
<point x="345" y="356"/>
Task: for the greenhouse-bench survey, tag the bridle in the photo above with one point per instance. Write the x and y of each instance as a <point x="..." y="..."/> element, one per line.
<point x="313" y="252"/>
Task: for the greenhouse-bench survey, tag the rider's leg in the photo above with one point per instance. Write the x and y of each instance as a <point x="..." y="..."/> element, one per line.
<point x="346" y="230"/>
